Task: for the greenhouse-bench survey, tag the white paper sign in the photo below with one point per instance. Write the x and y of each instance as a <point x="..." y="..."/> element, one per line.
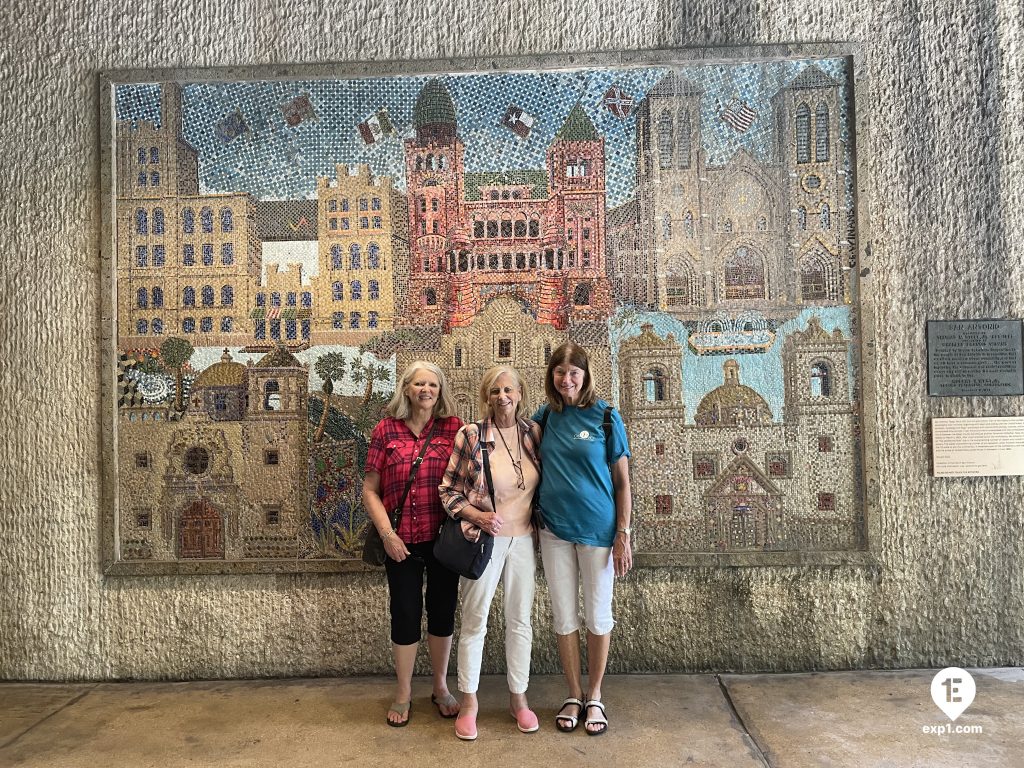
<point x="985" y="446"/>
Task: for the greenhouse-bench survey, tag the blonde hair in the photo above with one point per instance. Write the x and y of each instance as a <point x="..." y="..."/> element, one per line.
<point x="488" y="381"/>
<point x="573" y="354"/>
<point x="399" y="405"/>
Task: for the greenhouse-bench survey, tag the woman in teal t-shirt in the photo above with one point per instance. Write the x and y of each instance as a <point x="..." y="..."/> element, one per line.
<point x="586" y="507"/>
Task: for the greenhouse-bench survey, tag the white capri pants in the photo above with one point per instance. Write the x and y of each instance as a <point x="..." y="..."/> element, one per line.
<point x="514" y="564"/>
<point x="565" y="565"/>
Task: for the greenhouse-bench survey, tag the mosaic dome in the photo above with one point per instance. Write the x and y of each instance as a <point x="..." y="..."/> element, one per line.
<point x="732" y="404"/>
<point x="434" y="105"/>
<point x="226" y="373"/>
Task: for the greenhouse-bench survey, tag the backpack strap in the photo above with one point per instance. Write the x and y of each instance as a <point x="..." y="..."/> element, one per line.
<point x="606" y="425"/>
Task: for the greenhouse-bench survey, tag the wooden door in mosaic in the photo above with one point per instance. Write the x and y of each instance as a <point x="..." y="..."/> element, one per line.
<point x="201" y="532"/>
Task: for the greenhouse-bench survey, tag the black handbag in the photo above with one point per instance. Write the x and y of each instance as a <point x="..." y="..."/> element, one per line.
<point x="457" y="553"/>
<point x="373" y="545"/>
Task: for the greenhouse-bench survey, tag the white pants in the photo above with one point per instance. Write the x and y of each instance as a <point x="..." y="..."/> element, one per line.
<point x="565" y="565"/>
<point x="513" y="564"/>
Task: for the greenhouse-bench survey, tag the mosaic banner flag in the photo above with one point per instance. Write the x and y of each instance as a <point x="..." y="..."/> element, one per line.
<point x="376" y="127"/>
<point x="231" y="127"/>
<point x="298" y="109"/>
<point x="738" y="116"/>
<point x="618" y="102"/>
<point x="519" y="121"/>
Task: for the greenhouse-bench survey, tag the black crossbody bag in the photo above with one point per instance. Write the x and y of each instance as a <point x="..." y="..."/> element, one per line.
<point x="373" y="545"/>
<point x="452" y="549"/>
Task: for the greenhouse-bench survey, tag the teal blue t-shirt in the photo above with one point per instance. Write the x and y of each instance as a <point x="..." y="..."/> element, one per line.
<point x="576" y="494"/>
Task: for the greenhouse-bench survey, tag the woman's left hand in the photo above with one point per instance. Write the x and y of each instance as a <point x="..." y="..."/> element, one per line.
<point x="622" y="554"/>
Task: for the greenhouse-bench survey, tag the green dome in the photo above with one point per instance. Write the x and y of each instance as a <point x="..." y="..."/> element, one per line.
<point x="433" y="106"/>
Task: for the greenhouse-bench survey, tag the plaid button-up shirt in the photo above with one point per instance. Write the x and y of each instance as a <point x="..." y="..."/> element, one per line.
<point x="464" y="482"/>
<point x="393" y="447"/>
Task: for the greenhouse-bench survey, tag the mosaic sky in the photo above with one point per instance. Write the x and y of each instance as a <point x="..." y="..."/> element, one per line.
<point x="273" y="160"/>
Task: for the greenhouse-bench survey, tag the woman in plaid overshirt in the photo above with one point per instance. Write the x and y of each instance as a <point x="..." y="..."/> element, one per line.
<point x="511" y="441"/>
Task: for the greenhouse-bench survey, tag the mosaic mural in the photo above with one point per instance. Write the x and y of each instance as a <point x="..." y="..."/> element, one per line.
<point x="281" y="248"/>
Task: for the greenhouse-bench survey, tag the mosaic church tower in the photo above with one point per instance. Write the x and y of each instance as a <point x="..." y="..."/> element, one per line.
<point x="536" y="235"/>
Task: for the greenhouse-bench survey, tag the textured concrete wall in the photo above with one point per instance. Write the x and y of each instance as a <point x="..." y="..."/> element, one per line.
<point x="945" y="169"/>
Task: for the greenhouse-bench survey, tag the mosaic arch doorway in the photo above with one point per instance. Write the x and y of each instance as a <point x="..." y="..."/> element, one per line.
<point x="201" y="531"/>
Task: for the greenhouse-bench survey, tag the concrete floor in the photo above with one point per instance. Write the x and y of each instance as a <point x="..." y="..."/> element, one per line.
<point x="817" y="719"/>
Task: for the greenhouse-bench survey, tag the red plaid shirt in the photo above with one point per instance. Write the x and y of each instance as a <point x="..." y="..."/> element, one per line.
<point x="393" y="447"/>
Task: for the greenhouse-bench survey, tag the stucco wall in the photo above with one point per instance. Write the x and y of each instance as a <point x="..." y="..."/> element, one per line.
<point x="945" y="169"/>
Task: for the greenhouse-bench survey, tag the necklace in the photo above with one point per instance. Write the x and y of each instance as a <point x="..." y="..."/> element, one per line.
<point x="516" y="465"/>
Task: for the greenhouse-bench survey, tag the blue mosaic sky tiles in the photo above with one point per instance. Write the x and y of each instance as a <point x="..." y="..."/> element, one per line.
<point x="275" y="160"/>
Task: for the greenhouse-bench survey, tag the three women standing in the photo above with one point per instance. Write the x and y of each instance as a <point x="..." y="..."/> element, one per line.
<point x="586" y="506"/>
<point x="501" y="504"/>
<point x="420" y="422"/>
<point x="584" y="496"/>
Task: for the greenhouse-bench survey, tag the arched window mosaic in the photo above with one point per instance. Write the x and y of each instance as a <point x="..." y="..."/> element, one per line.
<point x="683" y="140"/>
<point x="581" y="295"/>
<point x="665" y="140"/>
<point x="803" y="134"/>
<point x="821" y="133"/>
<point x="682" y="288"/>
<point x="815" y="278"/>
<point x="744" y="275"/>
<point x="655" y="383"/>
<point x="206" y="219"/>
<point x="821" y="380"/>
<point x="272" y="395"/>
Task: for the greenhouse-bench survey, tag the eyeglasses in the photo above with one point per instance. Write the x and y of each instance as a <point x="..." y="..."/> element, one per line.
<point x="520" y="480"/>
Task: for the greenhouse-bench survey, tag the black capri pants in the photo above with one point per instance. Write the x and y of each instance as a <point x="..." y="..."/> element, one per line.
<point x="405" y="585"/>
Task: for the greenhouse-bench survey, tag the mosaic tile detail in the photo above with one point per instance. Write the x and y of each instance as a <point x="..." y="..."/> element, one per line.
<point x="283" y="247"/>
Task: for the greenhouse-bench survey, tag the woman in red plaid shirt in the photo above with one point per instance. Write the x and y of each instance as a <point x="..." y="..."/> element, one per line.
<point x="421" y="409"/>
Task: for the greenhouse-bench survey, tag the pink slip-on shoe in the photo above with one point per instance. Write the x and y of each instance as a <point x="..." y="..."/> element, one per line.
<point x="526" y="720"/>
<point x="465" y="726"/>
